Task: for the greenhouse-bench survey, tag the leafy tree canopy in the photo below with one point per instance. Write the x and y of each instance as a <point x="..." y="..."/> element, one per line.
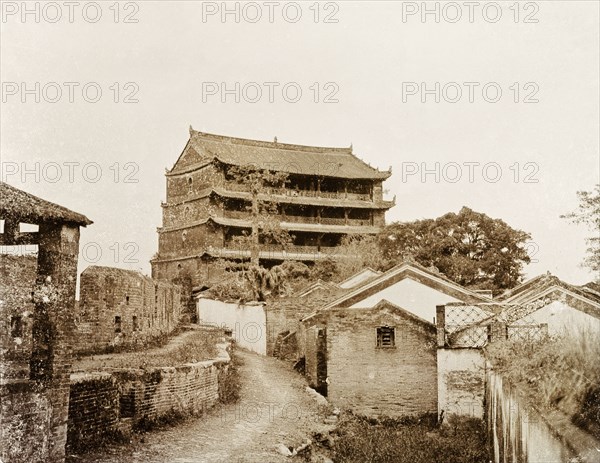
<point x="470" y="248"/>
<point x="588" y="214"/>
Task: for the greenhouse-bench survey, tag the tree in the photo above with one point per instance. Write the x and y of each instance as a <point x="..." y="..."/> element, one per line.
<point x="354" y="254"/>
<point x="470" y="248"/>
<point x="265" y="227"/>
<point x="254" y="279"/>
<point x="588" y="214"/>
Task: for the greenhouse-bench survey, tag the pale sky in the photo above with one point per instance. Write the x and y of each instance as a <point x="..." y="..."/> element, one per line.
<point x="377" y="63"/>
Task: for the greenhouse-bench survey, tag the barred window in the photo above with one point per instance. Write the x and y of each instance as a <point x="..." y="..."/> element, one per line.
<point x="16" y="326"/>
<point x="386" y="337"/>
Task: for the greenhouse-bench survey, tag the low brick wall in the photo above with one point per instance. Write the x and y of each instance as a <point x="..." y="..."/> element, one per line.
<point x="93" y="408"/>
<point x="105" y="403"/>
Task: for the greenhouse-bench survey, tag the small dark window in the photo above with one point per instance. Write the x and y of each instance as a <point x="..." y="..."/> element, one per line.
<point x="135" y="324"/>
<point x="386" y="337"/>
<point x="127" y="300"/>
<point x="16" y="326"/>
<point x="117" y="324"/>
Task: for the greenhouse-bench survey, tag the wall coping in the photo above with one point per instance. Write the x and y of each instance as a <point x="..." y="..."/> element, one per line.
<point x="223" y="357"/>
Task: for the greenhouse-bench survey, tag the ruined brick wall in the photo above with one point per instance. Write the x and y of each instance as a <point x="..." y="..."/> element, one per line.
<point x="25" y="423"/>
<point x="185" y="389"/>
<point x="122" y="307"/>
<point x="286" y="315"/>
<point x="16" y="312"/>
<point x="106" y="403"/>
<point x="35" y="353"/>
<point x="380" y="381"/>
<point x="93" y="409"/>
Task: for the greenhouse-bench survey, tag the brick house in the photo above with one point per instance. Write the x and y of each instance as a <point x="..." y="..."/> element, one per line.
<point x="36" y="328"/>
<point x="330" y="193"/>
<point x="381" y="361"/>
<point x="416" y="289"/>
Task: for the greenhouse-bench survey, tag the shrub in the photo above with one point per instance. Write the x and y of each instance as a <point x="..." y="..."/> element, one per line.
<point x="410" y="440"/>
<point x="558" y="371"/>
<point x="230" y="380"/>
<point x="195" y="346"/>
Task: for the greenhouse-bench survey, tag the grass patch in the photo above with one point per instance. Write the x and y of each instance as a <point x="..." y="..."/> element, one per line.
<point x="192" y="346"/>
<point x="169" y="419"/>
<point x="558" y="372"/>
<point x="154" y="342"/>
<point x="410" y="440"/>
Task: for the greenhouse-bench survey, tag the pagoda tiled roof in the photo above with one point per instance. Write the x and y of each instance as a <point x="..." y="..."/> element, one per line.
<point x="283" y="157"/>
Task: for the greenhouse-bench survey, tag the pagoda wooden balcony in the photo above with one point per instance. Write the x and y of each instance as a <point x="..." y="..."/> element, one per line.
<point x="232" y="186"/>
<point x="303" y="219"/>
<point x="277" y="251"/>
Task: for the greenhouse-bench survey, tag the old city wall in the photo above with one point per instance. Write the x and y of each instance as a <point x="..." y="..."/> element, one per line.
<point x="123" y="308"/>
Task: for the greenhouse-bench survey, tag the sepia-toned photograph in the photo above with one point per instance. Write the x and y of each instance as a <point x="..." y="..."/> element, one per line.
<point x="300" y="231"/>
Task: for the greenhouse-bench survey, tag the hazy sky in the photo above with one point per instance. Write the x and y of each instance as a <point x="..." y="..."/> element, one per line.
<point x="511" y="159"/>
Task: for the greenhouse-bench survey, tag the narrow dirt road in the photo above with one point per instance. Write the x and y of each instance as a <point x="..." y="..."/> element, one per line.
<point x="274" y="409"/>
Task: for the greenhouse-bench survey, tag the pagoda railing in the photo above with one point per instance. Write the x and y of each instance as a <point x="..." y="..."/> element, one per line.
<point x="341" y="221"/>
<point x="233" y="186"/>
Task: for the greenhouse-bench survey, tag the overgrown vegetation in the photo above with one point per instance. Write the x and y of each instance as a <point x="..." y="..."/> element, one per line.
<point x="230" y="380"/>
<point x="251" y="282"/>
<point x="190" y="347"/>
<point x="561" y="372"/>
<point x="410" y="440"/>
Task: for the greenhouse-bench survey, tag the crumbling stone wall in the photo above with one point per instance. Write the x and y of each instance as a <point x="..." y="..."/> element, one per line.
<point x="35" y="365"/>
<point x="120" y="307"/>
<point x="25" y="423"/>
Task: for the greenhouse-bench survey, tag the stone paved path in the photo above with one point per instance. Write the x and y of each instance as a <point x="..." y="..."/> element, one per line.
<point x="274" y="409"/>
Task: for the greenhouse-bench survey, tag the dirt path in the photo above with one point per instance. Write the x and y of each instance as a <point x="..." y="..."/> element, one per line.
<point x="274" y="409"/>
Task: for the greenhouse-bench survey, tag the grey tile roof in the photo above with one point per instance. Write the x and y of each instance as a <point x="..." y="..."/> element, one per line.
<point x="284" y="157"/>
<point x="24" y="207"/>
